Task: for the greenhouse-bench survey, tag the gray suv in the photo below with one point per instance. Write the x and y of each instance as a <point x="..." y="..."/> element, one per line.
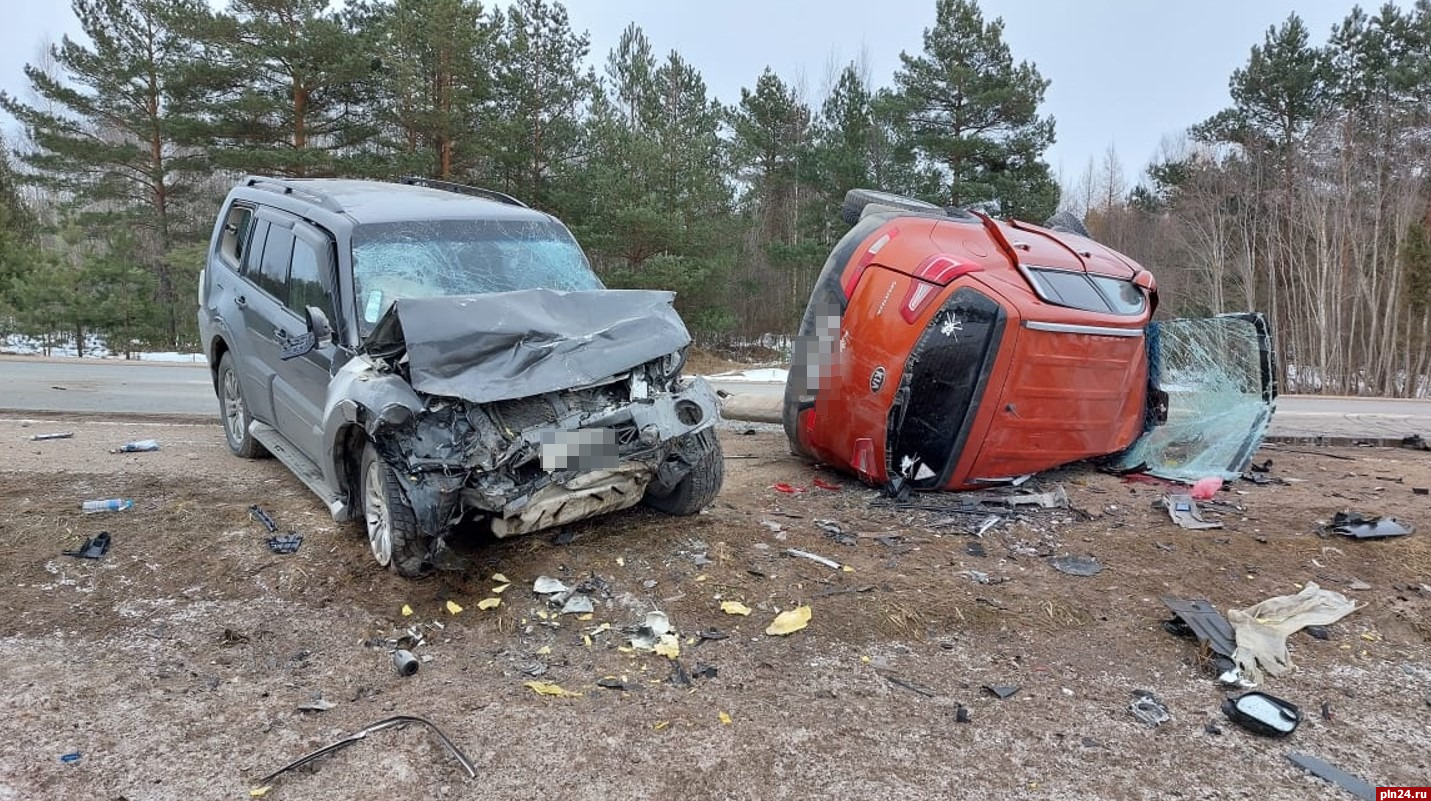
<point x="422" y="352"/>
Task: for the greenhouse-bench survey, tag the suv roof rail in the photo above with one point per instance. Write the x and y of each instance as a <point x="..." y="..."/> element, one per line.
<point x="462" y="189"/>
<point x="285" y="187"/>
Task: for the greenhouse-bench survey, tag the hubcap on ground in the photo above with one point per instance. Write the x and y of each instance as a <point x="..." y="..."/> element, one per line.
<point x="375" y="508"/>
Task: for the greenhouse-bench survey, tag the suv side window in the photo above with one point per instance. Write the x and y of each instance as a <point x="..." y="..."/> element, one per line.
<point x="272" y="275"/>
<point x="237" y="233"/>
<point x="305" y="284"/>
<point x="255" y="250"/>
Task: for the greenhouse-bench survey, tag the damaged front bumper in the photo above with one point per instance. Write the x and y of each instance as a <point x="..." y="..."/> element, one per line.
<point x="533" y="463"/>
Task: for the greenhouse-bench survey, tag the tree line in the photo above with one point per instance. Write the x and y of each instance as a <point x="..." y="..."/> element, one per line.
<point x="1306" y="199"/>
<point x="134" y="132"/>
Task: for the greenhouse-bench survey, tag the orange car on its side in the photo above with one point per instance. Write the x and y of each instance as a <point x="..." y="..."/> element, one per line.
<point x="943" y="349"/>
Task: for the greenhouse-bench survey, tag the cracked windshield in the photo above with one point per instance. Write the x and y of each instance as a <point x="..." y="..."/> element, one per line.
<point x="462" y="257"/>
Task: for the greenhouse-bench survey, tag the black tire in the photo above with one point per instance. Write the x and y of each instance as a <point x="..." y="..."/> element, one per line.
<point x="233" y="412"/>
<point x="694" y="492"/>
<point x="388" y="519"/>
<point x="1066" y="221"/>
<point x="857" y="199"/>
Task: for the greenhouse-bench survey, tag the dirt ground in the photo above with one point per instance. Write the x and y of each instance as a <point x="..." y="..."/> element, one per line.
<point x="176" y="664"/>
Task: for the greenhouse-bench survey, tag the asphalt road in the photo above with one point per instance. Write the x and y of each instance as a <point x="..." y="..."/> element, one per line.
<point x="165" y="389"/>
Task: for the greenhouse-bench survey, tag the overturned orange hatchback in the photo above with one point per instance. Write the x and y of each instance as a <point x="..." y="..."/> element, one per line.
<point x="944" y="349"/>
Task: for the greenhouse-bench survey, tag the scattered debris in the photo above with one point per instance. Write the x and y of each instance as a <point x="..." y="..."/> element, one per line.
<point x="987" y="523"/>
<point x="1077" y="565"/>
<point x="1421" y="490"/>
<point x="1322" y="770"/>
<point x="1415" y="442"/>
<point x="546" y="585"/>
<point x="978" y="577"/>
<point x="319" y="704"/>
<point x="93" y="548"/>
<point x="578" y="605"/>
<point x="734" y="608"/>
<point x="704" y="671"/>
<point x="1327" y="711"/>
<point x="611" y="683"/>
<point x="830" y="563"/>
<point x="1355" y="524"/>
<point x="724" y="718"/>
<point x="657" y="625"/>
<point x="669" y="646"/>
<point x="1147" y="708"/>
<point x="70" y="758"/>
<point x="789" y="621"/>
<point x="909" y="685"/>
<point x="825" y="485"/>
<point x="1002" y="691"/>
<point x="789" y="489"/>
<point x="712" y="635"/>
<point x="107" y="505"/>
<point x="386" y="723"/>
<point x="1057" y="499"/>
<point x="256" y="512"/>
<point x="405" y="662"/>
<point x="836" y="533"/>
<point x="961" y="714"/>
<point x="1199" y="618"/>
<point x="285" y="543"/>
<point x="454" y="608"/>
<point x="56" y="435"/>
<point x="976" y="549"/>
<point x="1204" y="489"/>
<point x="1262" y="630"/>
<point x="549" y="688"/>
<point x="1183" y="510"/>
<point x="679" y="676"/>
<point x="138" y="446"/>
<point x="1212" y="728"/>
<point x="1263" y="714"/>
<point x="1317" y="632"/>
<point x="489" y="603"/>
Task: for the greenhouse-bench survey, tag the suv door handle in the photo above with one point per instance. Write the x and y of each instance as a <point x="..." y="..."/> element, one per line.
<point x="280" y="334"/>
<point x="240" y="301"/>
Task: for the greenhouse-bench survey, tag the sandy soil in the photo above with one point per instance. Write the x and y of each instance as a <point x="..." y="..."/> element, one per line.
<point x="176" y="664"/>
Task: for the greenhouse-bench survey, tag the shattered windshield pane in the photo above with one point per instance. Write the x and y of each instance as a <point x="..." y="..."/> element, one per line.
<point x="1217" y="373"/>
<point x="462" y="257"/>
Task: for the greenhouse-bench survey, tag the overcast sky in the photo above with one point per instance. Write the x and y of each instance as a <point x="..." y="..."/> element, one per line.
<point x="1125" y="73"/>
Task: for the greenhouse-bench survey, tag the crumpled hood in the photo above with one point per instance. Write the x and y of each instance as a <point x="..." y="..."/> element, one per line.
<point x="485" y="348"/>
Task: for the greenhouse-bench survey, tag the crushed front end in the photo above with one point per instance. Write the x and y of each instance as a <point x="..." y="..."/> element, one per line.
<point x="536" y="420"/>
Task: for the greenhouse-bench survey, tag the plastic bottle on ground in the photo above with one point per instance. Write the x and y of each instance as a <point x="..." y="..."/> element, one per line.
<point x="107" y="505"/>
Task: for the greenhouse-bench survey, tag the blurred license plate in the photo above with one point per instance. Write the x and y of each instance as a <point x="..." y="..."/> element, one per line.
<point x="584" y="449"/>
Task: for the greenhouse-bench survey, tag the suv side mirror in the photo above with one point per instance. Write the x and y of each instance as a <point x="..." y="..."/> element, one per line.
<point x="319" y="332"/>
<point x="318" y="325"/>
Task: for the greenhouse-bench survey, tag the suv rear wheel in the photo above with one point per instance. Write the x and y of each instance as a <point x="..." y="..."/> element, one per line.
<point x="694" y="492"/>
<point x="234" y="412"/>
<point x="389" y="520"/>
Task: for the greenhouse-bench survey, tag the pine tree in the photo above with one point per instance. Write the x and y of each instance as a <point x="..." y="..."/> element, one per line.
<point x="107" y="139"/>
<point x="973" y="113"/>
<point x="288" y="86"/>
<point x="434" y="85"/>
<point x="541" y="92"/>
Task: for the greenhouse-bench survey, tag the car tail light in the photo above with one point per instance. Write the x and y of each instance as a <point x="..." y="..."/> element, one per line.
<point x="863" y="457"/>
<point x="866" y="259"/>
<point x="934" y="272"/>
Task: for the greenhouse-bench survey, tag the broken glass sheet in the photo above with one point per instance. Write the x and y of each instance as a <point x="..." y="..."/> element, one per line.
<point x="1217" y="373"/>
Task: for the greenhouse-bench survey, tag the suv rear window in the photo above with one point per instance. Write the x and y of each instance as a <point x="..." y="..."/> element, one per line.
<point x="462" y="257"/>
<point x="1095" y="293"/>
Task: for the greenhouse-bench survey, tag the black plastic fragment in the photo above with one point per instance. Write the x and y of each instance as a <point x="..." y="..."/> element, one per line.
<point x="611" y="683"/>
<point x="93" y="548"/>
<point x="1002" y="691"/>
<point x="1355" y="524"/>
<point x="704" y="671"/>
<point x="1077" y="565"/>
<point x="1322" y="770"/>
<point x="1198" y="617"/>
<point x="1318" y="632"/>
<point x="256" y="512"/>
<point x="285" y="543"/>
<point x="961" y="714"/>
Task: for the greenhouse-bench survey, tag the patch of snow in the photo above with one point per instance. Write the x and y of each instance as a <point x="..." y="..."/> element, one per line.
<point x="763" y="375"/>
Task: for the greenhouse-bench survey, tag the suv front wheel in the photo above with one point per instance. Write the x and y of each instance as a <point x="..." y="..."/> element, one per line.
<point x="389" y="520"/>
<point x="234" y="412"/>
<point x="694" y="492"/>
